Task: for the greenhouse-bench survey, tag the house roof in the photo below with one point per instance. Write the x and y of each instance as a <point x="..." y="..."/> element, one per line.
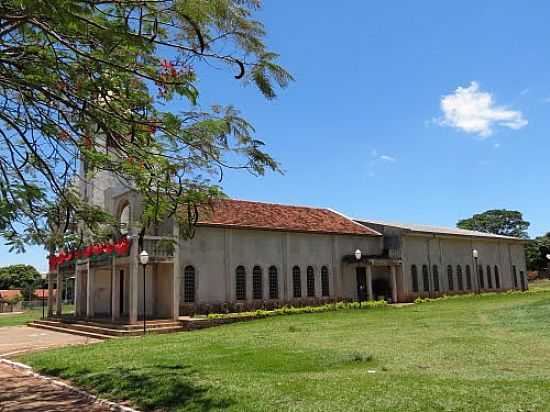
<point x="43" y="293"/>
<point x="436" y="230"/>
<point x="10" y="293"/>
<point x="245" y="214"/>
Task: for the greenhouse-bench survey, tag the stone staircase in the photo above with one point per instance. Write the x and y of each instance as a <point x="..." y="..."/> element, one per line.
<point x="103" y="330"/>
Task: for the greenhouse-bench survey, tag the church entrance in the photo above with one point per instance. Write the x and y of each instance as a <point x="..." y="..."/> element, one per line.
<point x="381" y="288"/>
<point x="361" y="275"/>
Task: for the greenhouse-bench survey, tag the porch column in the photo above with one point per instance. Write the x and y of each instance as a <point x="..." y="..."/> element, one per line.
<point x="369" y="282"/>
<point x="50" y="294"/>
<point x="59" y="294"/>
<point x="393" y="284"/>
<point x="115" y="292"/>
<point x="175" y="312"/>
<point x="133" y="278"/>
<point x="90" y="310"/>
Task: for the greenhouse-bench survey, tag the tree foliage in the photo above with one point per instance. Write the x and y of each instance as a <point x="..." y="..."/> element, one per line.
<point x="24" y="277"/>
<point x="90" y="83"/>
<point x="536" y="252"/>
<point x="499" y="221"/>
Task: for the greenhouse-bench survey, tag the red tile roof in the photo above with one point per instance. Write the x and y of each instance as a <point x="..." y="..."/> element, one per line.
<point x="42" y="293"/>
<point x="268" y="216"/>
<point x="10" y="293"/>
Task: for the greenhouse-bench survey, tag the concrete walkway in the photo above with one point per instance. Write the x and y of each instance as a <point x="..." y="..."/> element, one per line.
<point x="19" y="339"/>
<point x="21" y="392"/>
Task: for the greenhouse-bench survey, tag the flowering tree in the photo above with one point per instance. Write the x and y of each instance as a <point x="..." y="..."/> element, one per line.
<point x="84" y="83"/>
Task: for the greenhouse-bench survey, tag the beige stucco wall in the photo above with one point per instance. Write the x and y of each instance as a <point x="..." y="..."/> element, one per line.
<point x="448" y="250"/>
<point x="215" y="253"/>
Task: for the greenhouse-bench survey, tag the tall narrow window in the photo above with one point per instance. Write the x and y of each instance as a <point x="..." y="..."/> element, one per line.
<point x="497" y="278"/>
<point x="522" y="280"/>
<point x="425" y="278"/>
<point x="240" y="283"/>
<point x="450" y="277"/>
<point x="481" y="278"/>
<point x="468" y="277"/>
<point x="414" y="278"/>
<point x="515" y="274"/>
<point x="273" y="283"/>
<point x="436" y="278"/>
<point x="257" y="283"/>
<point x="189" y="284"/>
<point x="459" y="280"/>
<point x="310" y="281"/>
<point x="297" y="282"/>
<point x="325" y="287"/>
<point x="489" y="277"/>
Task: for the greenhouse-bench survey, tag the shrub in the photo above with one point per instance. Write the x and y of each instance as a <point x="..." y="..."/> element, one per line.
<point x="291" y="310"/>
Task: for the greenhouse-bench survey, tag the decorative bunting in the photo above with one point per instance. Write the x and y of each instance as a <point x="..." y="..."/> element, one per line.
<point x="119" y="248"/>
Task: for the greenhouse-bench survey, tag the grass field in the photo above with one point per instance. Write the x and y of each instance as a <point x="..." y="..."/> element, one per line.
<point x="27" y="316"/>
<point x="481" y="353"/>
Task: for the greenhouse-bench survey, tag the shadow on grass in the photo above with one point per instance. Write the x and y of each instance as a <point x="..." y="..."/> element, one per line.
<point x="159" y="387"/>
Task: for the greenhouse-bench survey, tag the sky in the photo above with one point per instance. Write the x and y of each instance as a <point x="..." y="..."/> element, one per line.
<point x="418" y="112"/>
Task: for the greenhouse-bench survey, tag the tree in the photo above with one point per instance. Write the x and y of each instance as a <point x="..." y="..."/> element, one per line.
<point x="499" y="221"/>
<point x="89" y="83"/>
<point x="536" y="252"/>
<point x="24" y="277"/>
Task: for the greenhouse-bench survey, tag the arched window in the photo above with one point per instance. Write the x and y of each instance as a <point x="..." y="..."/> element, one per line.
<point x="515" y="273"/>
<point x="414" y="278"/>
<point x="310" y="281"/>
<point x="489" y="278"/>
<point x="468" y="278"/>
<point x="450" y="277"/>
<point x="436" y="278"/>
<point x="297" y="282"/>
<point x="189" y="284"/>
<point x="273" y="283"/>
<point x="425" y="278"/>
<point x="459" y="280"/>
<point x="257" y="283"/>
<point x="481" y="279"/>
<point x="497" y="278"/>
<point x="124" y="219"/>
<point x="325" y="287"/>
<point x="240" y="283"/>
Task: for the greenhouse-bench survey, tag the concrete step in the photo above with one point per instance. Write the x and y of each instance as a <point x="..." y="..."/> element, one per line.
<point x="108" y="331"/>
<point x="71" y="331"/>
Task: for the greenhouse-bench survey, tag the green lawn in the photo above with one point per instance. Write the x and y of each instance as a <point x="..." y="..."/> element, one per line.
<point x="488" y="353"/>
<point x="27" y="316"/>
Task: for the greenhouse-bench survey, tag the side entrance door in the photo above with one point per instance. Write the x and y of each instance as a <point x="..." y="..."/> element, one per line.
<point x="361" y="275"/>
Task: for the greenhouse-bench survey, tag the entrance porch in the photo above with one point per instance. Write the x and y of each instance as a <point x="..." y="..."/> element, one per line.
<point x="375" y="279"/>
<point x="118" y="289"/>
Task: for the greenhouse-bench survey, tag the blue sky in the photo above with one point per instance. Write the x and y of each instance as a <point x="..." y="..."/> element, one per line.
<point x="424" y="112"/>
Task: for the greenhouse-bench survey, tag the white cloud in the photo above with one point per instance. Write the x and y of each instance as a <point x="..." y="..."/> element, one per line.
<point x="474" y="111"/>
<point x="496" y="145"/>
<point x="388" y="158"/>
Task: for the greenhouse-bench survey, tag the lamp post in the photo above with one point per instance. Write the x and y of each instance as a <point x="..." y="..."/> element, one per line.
<point x="358" y="254"/>
<point x="144" y="259"/>
<point x="475" y="254"/>
<point x="44" y="276"/>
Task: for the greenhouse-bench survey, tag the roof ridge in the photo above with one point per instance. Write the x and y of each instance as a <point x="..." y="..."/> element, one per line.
<point x="276" y="204"/>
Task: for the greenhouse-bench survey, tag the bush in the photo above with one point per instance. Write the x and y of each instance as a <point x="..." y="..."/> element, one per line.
<point x="291" y="310"/>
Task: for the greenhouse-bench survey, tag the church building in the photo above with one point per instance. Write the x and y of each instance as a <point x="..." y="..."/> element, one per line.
<point x="246" y="255"/>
